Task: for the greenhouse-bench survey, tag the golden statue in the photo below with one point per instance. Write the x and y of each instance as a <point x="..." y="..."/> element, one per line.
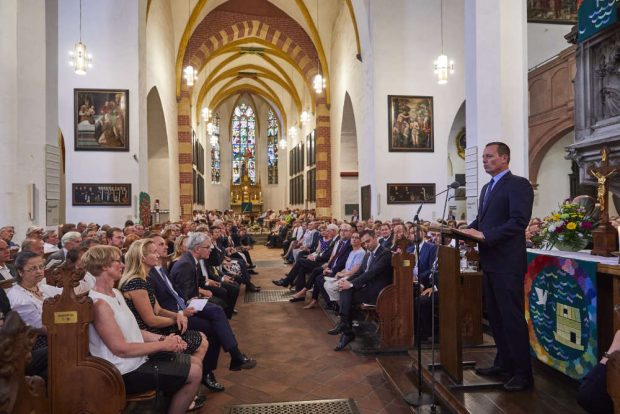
<point x="602" y="173"/>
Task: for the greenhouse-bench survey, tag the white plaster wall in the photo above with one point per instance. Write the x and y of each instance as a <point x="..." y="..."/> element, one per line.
<point x="545" y="41"/>
<point x="27" y="119"/>
<point x="406" y="41"/>
<point x="116" y="47"/>
<point x="456" y="164"/>
<point x="160" y="73"/>
<point x="158" y="158"/>
<point x="553" y="180"/>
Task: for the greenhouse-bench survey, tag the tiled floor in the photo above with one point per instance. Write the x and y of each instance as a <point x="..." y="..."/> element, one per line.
<point x="295" y="356"/>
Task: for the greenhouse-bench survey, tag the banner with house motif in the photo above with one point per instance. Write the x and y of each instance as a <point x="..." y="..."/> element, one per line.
<point x="560" y="308"/>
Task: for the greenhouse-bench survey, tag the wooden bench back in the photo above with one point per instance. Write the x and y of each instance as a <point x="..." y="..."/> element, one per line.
<point x="18" y="393"/>
<point x="613" y="380"/>
<point x="78" y="382"/>
<point x="395" y="303"/>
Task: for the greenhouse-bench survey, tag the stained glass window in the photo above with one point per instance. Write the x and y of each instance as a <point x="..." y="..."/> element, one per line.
<point x="272" y="147"/>
<point x="216" y="166"/>
<point x="243" y="144"/>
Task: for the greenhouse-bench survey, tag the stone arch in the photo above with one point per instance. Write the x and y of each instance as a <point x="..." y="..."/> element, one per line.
<point x="157" y="150"/>
<point x="214" y="33"/>
<point x="539" y="149"/>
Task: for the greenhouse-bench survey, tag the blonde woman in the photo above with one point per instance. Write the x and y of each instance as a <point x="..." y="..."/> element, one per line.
<point x="116" y="337"/>
<point x="180" y="247"/>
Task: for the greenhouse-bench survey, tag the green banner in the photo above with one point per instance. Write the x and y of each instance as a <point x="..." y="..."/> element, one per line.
<point x="594" y="16"/>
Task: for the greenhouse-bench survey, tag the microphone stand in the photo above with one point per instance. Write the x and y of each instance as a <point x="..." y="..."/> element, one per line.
<point x="423" y="402"/>
<point x="420" y="399"/>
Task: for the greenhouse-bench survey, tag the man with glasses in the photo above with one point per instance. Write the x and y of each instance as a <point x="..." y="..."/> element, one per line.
<point x="7" y="271"/>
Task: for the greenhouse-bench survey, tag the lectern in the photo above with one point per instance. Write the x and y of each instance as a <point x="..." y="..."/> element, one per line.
<point x="460" y="310"/>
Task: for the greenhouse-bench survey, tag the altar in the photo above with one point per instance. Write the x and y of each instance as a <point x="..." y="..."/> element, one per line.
<point x="569" y="305"/>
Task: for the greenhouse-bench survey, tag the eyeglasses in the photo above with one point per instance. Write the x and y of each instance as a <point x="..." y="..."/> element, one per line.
<point x="34" y="268"/>
<point x="209" y="247"/>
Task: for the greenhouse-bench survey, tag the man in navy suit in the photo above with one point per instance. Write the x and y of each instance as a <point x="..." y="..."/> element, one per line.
<point x="422" y="270"/>
<point x="503" y="215"/>
<point x="211" y="321"/>
<point x="374" y="274"/>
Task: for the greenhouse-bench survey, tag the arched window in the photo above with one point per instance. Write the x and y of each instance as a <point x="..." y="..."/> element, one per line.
<point x="216" y="166"/>
<point x="272" y="147"/>
<point x="243" y="144"/>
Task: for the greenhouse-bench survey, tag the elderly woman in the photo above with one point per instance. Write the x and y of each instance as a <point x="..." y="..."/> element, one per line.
<point x="116" y="337"/>
<point x="27" y="296"/>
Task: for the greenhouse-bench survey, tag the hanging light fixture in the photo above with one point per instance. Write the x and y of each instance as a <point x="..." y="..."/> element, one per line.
<point x="442" y="65"/>
<point x="206" y="113"/>
<point x="318" y="82"/>
<point x="81" y="60"/>
<point x="189" y="73"/>
<point x="282" y="144"/>
<point x="304" y="117"/>
<point x="292" y="132"/>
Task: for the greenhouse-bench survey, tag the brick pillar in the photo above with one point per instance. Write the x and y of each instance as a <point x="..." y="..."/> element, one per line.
<point x="323" y="160"/>
<point x="185" y="155"/>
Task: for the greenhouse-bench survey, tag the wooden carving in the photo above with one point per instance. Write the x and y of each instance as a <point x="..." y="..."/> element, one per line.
<point x="395" y="303"/>
<point x="18" y="393"/>
<point x="78" y="382"/>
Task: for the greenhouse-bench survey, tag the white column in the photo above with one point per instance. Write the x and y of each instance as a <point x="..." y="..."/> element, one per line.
<point x="496" y="80"/>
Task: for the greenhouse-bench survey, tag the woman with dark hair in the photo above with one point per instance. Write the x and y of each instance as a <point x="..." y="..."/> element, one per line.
<point x="116" y="337"/>
<point x="27" y="296"/>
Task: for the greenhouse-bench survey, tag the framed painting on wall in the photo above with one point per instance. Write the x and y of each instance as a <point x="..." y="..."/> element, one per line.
<point x="410" y="193"/>
<point x="410" y="123"/>
<point x="557" y="11"/>
<point x="109" y="195"/>
<point x="101" y="119"/>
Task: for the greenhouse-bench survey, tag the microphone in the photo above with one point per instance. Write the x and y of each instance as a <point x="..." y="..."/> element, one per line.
<point x="453" y="185"/>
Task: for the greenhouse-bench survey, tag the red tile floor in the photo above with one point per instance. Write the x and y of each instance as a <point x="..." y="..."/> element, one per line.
<point x="296" y="361"/>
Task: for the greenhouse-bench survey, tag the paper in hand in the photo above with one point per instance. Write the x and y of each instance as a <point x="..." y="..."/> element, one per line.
<point x="198" y="304"/>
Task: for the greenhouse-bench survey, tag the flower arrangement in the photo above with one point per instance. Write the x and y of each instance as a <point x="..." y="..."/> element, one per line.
<point x="569" y="228"/>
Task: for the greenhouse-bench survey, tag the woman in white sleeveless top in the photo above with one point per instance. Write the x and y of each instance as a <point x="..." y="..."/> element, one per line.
<point x="116" y="337"/>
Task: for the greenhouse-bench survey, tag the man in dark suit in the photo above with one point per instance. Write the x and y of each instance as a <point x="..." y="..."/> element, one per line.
<point x="211" y="321"/>
<point x="186" y="274"/>
<point x="70" y="240"/>
<point x="363" y="287"/>
<point x="7" y="271"/>
<point x="503" y="216"/>
<point x="429" y="294"/>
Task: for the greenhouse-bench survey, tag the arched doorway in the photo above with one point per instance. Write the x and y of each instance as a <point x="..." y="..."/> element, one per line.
<point x="158" y="154"/>
<point x="457" y="208"/>
<point x="349" y="192"/>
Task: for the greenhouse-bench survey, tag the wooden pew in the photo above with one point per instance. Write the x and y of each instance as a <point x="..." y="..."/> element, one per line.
<point x="77" y="382"/>
<point x="395" y="304"/>
<point x="18" y="393"/>
<point x="613" y="379"/>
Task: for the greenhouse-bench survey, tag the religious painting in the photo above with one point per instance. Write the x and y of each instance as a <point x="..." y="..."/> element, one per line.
<point x="552" y="11"/>
<point x="101" y="120"/>
<point x="109" y="195"/>
<point x="561" y="312"/>
<point x="410" y="123"/>
<point x="461" y="143"/>
<point x="410" y="193"/>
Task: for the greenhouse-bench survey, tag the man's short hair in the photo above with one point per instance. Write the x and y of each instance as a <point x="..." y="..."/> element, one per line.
<point x="502" y="149"/>
<point x="110" y="232"/>
<point x="195" y="240"/>
<point x="70" y="236"/>
<point x="332" y="226"/>
<point x="369" y="232"/>
<point x="34" y="229"/>
<point x="27" y="244"/>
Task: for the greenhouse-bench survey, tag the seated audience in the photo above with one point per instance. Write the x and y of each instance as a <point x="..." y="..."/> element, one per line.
<point x="33" y="245"/>
<point x="51" y="240"/>
<point x="352" y="266"/>
<point x="69" y="240"/>
<point x="363" y="287"/>
<point x="7" y="233"/>
<point x="116" y="337"/>
<point x="7" y="270"/>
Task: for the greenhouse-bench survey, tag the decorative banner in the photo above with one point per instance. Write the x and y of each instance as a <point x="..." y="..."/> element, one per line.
<point x="594" y="16"/>
<point x="145" y="209"/>
<point x="560" y="308"/>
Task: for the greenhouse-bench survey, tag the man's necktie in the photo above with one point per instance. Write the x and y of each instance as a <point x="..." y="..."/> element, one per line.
<point x="198" y="275"/>
<point x="369" y="261"/>
<point x="175" y="295"/>
<point x="487" y="192"/>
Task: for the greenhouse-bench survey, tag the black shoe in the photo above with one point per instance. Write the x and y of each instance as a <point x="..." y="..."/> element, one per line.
<point x="245" y="363"/>
<point x="519" y="383"/>
<point x="252" y="272"/>
<point x="209" y="381"/>
<point x="251" y="287"/>
<point x="336" y="329"/>
<point x="280" y="282"/>
<point x="251" y="266"/>
<point x="345" y="339"/>
<point x="492" y="372"/>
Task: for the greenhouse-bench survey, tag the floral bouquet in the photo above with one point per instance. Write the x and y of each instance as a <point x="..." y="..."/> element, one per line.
<point x="570" y="228"/>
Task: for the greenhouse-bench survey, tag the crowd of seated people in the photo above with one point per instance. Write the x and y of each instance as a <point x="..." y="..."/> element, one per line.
<point x="143" y="297"/>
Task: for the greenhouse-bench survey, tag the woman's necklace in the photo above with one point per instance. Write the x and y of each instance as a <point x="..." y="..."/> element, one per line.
<point x="35" y="291"/>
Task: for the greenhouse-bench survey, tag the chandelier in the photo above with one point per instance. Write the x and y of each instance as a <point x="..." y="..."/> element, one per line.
<point x="318" y="82"/>
<point x="282" y="144"/>
<point x="305" y="117"/>
<point x="81" y="60"/>
<point x="443" y="66"/>
<point x="190" y="74"/>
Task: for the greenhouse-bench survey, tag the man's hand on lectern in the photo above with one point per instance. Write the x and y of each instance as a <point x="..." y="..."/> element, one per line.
<point x="474" y="233"/>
